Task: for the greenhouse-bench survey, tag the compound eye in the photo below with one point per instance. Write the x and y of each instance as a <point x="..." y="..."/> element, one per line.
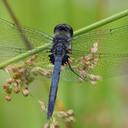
<point x="63" y="29"/>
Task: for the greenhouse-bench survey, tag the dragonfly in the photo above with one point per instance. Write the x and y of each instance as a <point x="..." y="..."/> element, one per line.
<point x="83" y="55"/>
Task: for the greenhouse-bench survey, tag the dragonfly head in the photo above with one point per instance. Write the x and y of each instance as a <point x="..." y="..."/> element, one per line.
<point x="63" y="29"/>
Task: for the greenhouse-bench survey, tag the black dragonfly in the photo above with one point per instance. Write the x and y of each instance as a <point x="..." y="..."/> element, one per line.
<point x="87" y="55"/>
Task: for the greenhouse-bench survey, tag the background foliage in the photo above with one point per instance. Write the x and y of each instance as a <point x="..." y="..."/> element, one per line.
<point x="101" y="106"/>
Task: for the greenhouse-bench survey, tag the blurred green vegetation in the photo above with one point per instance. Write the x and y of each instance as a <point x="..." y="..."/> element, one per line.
<point x="101" y="106"/>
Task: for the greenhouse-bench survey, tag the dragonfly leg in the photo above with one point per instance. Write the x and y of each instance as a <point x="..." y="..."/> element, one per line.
<point x="70" y="67"/>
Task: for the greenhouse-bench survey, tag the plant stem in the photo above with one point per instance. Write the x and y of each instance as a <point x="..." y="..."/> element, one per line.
<point x="76" y="33"/>
<point x="101" y="23"/>
<point x="18" y="25"/>
<point x="24" y="55"/>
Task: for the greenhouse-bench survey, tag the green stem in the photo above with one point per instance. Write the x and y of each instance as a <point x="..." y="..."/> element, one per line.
<point x="101" y="23"/>
<point x="76" y="33"/>
<point x="24" y="55"/>
<point x="18" y="25"/>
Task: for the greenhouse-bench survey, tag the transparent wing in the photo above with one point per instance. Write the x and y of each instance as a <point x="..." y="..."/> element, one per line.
<point x="106" y="38"/>
<point x="12" y="44"/>
<point x="111" y="51"/>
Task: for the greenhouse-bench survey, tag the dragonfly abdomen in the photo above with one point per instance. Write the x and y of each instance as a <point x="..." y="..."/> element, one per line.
<point x="54" y="85"/>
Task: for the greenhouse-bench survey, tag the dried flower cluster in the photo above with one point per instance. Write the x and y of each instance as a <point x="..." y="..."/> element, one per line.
<point x="42" y="71"/>
<point x="20" y="78"/>
<point x="87" y="63"/>
<point x="65" y="116"/>
<point x="53" y="124"/>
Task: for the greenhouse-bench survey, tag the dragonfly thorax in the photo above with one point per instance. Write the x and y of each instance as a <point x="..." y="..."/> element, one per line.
<point x="61" y="43"/>
<point x="59" y="49"/>
<point x="61" y="39"/>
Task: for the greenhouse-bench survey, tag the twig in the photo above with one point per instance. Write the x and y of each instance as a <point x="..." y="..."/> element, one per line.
<point x="18" y="25"/>
<point x="24" y="55"/>
<point x="101" y="23"/>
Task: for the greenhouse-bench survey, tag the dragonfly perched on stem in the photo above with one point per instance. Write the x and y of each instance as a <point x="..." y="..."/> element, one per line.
<point x="86" y="55"/>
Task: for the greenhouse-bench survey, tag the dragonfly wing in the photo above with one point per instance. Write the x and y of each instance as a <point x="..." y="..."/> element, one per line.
<point x="106" y="39"/>
<point x="12" y="44"/>
<point x="109" y="46"/>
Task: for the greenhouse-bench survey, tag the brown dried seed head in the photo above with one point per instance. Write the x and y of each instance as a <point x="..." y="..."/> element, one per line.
<point x="5" y="86"/>
<point x="25" y="92"/>
<point x="54" y="125"/>
<point x="94" y="77"/>
<point x="15" y="69"/>
<point x="9" y="90"/>
<point x="80" y="79"/>
<point x="18" y="81"/>
<point x="61" y="114"/>
<point x="29" y="62"/>
<point x="46" y="125"/>
<point x="82" y="74"/>
<point x="22" y="70"/>
<point x="69" y="119"/>
<point x="96" y="59"/>
<point x="70" y="112"/>
<point x="93" y="82"/>
<point x="90" y="66"/>
<point x="17" y="75"/>
<point x="12" y="68"/>
<point x="85" y="62"/>
<point x="98" y="77"/>
<point x="27" y="82"/>
<point x="95" y="44"/>
<point x="8" y="98"/>
<point x="43" y="105"/>
<point x="10" y="81"/>
<point x="86" y="58"/>
<point x="16" y="89"/>
<point x="44" y="72"/>
<point x="93" y="50"/>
